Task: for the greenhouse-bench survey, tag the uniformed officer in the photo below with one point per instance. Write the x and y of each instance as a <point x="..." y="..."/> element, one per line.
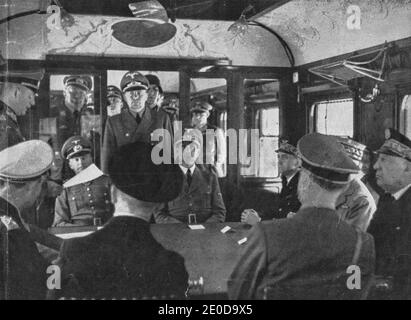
<point x="200" y="199"/>
<point x="90" y="128"/>
<point x="171" y="106"/>
<point x="17" y="95"/>
<point x="289" y="167"/>
<point x="85" y="199"/>
<point x="136" y="122"/>
<point x="391" y="226"/>
<point x="307" y="256"/>
<point x="214" y="144"/>
<point x="68" y="114"/>
<point x="114" y="101"/>
<point x="155" y="92"/>
<point x="23" y="171"/>
<point x="356" y="205"/>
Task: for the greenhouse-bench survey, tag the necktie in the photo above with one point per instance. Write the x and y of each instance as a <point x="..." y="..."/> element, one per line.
<point x="189" y="177"/>
<point x="138" y="118"/>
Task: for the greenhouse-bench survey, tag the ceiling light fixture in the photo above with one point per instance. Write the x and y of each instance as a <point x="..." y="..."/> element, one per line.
<point x="241" y="26"/>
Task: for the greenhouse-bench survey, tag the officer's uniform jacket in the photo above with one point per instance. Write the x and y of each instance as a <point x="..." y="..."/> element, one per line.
<point x="22" y="268"/>
<point x="121" y="260"/>
<point x="123" y="129"/>
<point x="81" y="203"/>
<point x="391" y="228"/>
<point x="68" y="122"/>
<point x="288" y="199"/>
<point x="203" y="198"/>
<point x="9" y="129"/>
<point x="356" y="205"/>
<point x="304" y="257"/>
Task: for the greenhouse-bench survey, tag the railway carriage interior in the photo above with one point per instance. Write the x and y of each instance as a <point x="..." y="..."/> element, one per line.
<point x="272" y="70"/>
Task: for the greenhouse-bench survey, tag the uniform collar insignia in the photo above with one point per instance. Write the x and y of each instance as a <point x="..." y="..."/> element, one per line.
<point x="9" y="223"/>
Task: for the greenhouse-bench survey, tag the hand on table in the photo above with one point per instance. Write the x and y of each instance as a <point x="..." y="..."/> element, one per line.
<point x="250" y="216"/>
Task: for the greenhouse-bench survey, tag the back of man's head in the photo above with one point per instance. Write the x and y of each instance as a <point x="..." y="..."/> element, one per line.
<point x="327" y="170"/>
<point x="318" y="192"/>
<point x="140" y="184"/>
<point x="123" y="203"/>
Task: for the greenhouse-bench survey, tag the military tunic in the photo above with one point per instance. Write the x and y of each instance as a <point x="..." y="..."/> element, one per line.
<point x="391" y="228"/>
<point x="288" y="200"/>
<point x="123" y="129"/>
<point x="305" y="257"/>
<point x="356" y="205"/>
<point x="9" y="129"/>
<point x="68" y="123"/>
<point x="25" y="267"/>
<point x="80" y="204"/>
<point x="202" y="198"/>
<point x="122" y="260"/>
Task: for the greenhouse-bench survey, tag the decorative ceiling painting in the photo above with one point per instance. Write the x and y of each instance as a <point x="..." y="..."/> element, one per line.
<point x="185" y="38"/>
<point x="310" y="26"/>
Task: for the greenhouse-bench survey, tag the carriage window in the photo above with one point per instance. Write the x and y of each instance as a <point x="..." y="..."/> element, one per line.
<point x="334" y="117"/>
<point x="262" y="113"/>
<point x="406" y="116"/>
<point x="270" y="130"/>
<point x="214" y="92"/>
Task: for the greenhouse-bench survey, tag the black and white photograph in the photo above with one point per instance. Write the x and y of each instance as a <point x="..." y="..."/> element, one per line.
<point x="228" y="151"/>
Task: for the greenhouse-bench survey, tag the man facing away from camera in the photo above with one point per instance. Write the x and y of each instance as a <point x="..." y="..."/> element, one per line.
<point x="123" y="260"/>
<point x="307" y="256"/>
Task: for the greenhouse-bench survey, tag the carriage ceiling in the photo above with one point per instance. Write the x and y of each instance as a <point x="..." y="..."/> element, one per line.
<point x="314" y="29"/>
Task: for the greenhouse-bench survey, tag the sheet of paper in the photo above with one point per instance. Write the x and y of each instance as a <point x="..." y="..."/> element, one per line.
<point x="225" y="229"/>
<point x="196" y="226"/>
<point x="73" y="234"/>
<point x="243" y="240"/>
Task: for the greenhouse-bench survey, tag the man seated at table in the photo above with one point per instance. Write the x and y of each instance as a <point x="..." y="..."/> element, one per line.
<point x="123" y="260"/>
<point x="85" y="199"/>
<point x="355" y="205"/>
<point x="200" y="198"/>
<point x="289" y="164"/>
<point x="307" y="256"/>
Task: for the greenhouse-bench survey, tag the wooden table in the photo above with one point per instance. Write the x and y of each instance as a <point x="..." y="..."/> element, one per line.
<point x="208" y="253"/>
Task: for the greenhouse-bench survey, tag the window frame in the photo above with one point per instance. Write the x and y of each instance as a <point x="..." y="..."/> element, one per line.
<point x="256" y="120"/>
<point x="313" y="112"/>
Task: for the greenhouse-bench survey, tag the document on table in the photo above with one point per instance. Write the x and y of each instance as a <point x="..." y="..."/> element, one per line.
<point x="75" y="234"/>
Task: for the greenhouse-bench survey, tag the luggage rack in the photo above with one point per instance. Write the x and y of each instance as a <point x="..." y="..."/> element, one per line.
<point x="342" y="72"/>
